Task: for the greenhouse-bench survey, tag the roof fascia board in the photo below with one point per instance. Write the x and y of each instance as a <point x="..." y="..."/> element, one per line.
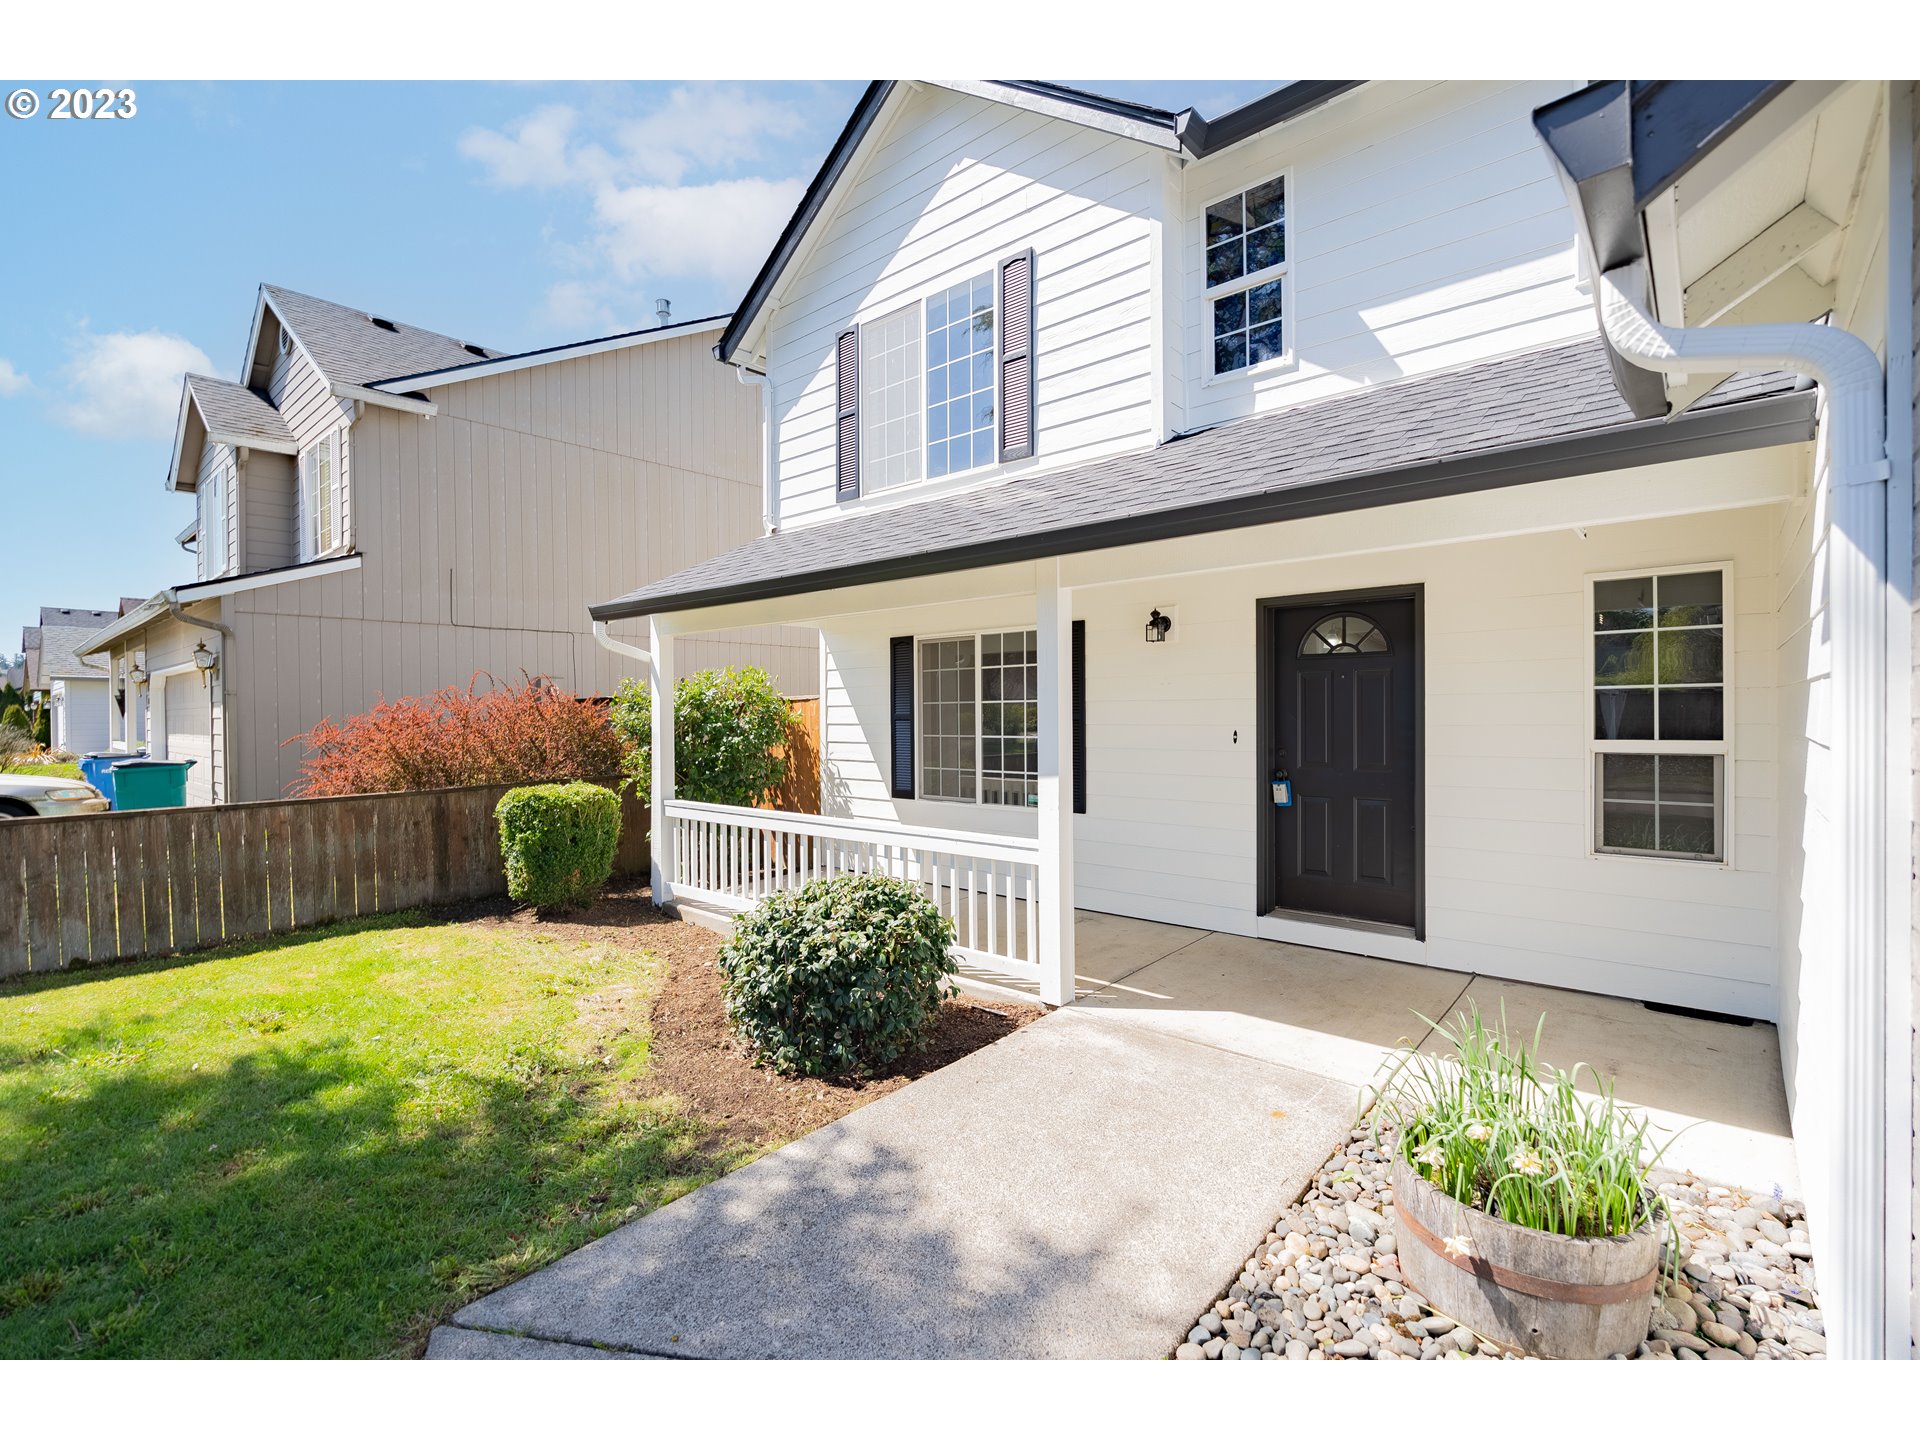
<point x="839" y="158"/>
<point x="1677" y="123"/>
<point x="1158" y="128"/>
<point x="174" y="470"/>
<point x="286" y="575"/>
<point x="128" y="624"/>
<point x="1289" y="102"/>
<point x="249" y="442"/>
<point x="1776" y="420"/>
<point x="553" y="355"/>
<point x="411" y="404"/>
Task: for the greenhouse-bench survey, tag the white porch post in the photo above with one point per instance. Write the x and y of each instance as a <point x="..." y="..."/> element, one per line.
<point x="661" y="677"/>
<point x="1054" y="607"/>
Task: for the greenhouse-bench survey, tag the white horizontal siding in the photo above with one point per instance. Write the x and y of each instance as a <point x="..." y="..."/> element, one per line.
<point x="1425" y="230"/>
<point x="1512" y="885"/>
<point x="952" y="186"/>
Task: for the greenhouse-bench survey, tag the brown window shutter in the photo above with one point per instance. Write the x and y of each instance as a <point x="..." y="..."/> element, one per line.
<point x="900" y="714"/>
<point x="1016" y="356"/>
<point x="847" y="416"/>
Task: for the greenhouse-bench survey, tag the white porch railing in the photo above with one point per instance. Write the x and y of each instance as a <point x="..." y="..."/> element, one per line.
<point x="988" y="886"/>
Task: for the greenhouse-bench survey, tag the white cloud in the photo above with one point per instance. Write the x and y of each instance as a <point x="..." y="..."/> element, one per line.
<point x="580" y="306"/>
<point x="706" y="127"/>
<point x="667" y="194"/>
<point x="12" y="381"/>
<point x="537" y="152"/>
<point x="128" y="383"/>
<point x="720" y="231"/>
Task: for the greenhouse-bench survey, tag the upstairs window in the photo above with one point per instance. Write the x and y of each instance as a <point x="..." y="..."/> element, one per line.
<point x="890" y="450"/>
<point x="320" y="498"/>
<point x="1660" y="714"/>
<point x="1246" y="275"/>
<point x="210" y="544"/>
<point x="940" y="387"/>
<point x="960" y="377"/>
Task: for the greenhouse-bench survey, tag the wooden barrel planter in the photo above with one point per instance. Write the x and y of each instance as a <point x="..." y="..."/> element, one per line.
<point x="1549" y="1295"/>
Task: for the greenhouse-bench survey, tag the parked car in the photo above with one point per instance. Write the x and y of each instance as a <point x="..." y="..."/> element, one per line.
<point x="24" y="796"/>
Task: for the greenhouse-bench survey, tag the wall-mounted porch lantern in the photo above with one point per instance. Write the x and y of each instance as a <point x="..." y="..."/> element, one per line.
<point x="137" y="676"/>
<point x="206" y="660"/>
<point x="1157" y="627"/>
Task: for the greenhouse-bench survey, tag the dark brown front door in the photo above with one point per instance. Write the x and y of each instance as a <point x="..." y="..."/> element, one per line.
<point x="1344" y="734"/>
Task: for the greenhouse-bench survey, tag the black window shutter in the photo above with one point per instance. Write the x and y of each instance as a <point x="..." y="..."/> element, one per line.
<point x="847" y="415"/>
<point x="1016" y="356"/>
<point x="1079" y="717"/>
<point x="900" y="691"/>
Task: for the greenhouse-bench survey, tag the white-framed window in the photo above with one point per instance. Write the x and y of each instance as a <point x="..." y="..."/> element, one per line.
<point x="320" y="497"/>
<point x="210" y="545"/>
<point x="979" y="720"/>
<point x="927" y="390"/>
<point x="1247" y="277"/>
<point x="890" y="446"/>
<point x="1661" y="717"/>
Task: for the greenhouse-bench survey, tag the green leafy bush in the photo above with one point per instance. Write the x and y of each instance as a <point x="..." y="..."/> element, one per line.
<point x="558" y="842"/>
<point x="14" y="718"/>
<point x="726" y="725"/>
<point x="840" y="975"/>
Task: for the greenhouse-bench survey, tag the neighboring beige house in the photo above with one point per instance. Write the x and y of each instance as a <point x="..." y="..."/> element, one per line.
<point x="382" y="511"/>
<point x="75" y="683"/>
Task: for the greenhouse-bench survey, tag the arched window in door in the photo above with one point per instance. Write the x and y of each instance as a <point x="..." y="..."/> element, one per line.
<point x="1344" y="635"/>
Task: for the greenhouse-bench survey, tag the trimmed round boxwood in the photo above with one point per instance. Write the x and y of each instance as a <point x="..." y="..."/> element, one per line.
<point x="558" y="842"/>
<point x="840" y="975"/>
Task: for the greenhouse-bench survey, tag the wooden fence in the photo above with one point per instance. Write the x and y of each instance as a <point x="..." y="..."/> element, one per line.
<point x="83" y="889"/>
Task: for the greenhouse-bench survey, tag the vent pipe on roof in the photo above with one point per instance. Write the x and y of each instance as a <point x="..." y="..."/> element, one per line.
<point x="664" y="310"/>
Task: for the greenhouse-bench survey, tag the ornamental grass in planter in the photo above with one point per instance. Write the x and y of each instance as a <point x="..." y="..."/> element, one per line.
<point x="1524" y="1205"/>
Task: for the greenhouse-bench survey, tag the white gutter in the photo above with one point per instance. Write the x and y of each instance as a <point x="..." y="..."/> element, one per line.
<point x="769" y="518"/>
<point x="1850" y="1112"/>
<point x="408" y="403"/>
<point x="620" y="647"/>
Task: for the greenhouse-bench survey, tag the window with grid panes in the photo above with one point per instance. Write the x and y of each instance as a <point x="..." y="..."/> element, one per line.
<point x="1246" y="267"/>
<point x="1659" y="715"/>
<point x="979" y="718"/>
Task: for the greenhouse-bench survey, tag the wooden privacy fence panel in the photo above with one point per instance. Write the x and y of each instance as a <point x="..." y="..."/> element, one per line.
<point x="89" y="888"/>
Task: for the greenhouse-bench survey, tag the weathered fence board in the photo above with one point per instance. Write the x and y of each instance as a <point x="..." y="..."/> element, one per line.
<point x="150" y="882"/>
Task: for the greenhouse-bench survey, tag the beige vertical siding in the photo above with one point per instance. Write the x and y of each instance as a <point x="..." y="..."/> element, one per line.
<point x="489" y="529"/>
<point x="267" y="489"/>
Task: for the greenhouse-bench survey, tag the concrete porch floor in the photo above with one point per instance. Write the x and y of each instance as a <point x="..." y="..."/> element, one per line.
<point x="1090" y="1183"/>
<point x="1713" y="1090"/>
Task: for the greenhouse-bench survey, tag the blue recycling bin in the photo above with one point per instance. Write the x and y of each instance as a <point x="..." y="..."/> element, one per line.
<point x="96" y="768"/>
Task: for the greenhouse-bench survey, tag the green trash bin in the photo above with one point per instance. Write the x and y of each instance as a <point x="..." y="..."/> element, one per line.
<point x="150" y="784"/>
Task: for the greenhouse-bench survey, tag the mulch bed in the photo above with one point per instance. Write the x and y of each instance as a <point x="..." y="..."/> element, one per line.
<point x="695" y="1057"/>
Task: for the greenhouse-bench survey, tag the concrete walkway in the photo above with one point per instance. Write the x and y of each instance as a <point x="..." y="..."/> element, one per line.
<point x="1082" y="1188"/>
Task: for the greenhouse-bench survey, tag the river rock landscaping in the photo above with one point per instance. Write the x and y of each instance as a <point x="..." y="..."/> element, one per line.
<point x="1325" y="1282"/>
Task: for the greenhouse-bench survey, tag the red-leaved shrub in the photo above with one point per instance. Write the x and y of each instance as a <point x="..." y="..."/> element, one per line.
<point x="502" y="735"/>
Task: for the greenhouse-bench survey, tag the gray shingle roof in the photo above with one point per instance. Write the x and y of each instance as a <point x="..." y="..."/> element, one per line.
<point x="1553" y="411"/>
<point x="351" y="350"/>
<point x="234" y="412"/>
<point x="59" y="643"/>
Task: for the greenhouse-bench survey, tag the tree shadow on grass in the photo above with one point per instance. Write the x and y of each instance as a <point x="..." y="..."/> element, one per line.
<point x="301" y="1201"/>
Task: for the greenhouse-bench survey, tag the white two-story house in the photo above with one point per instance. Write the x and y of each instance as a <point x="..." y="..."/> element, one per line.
<point x="1421" y="521"/>
<point x="382" y="511"/>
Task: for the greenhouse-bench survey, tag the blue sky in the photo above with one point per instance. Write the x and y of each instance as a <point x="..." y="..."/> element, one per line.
<point x="510" y="215"/>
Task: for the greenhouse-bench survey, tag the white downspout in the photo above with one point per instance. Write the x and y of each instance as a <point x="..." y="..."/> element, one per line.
<point x="1850" y="1234"/>
<point x="620" y="647"/>
<point x="769" y="507"/>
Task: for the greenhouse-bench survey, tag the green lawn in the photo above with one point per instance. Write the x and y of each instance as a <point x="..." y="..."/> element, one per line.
<point x="64" y="772"/>
<point x="318" y="1148"/>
